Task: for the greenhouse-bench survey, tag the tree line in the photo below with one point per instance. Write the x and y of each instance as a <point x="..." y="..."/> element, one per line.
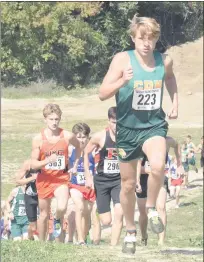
<point x="73" y="42"/>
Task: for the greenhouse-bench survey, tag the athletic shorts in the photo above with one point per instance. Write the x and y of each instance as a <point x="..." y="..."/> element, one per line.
<point x="191" y="161"/>
<point x="47" y="188"/>
<point x="17" y="230"/>
<point x="105" y="191"/>
<point x="129" y="142"/>
<point x="88" y="193"/>
<point x="31" y="205"/>
<point x="185" y="166"/>
<point x="143" y="183"/>
<point x="176" y="182"/>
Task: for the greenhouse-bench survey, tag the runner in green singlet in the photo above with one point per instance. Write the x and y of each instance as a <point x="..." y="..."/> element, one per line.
<point x="16" y="208"/>
<point x="137" y="80"/>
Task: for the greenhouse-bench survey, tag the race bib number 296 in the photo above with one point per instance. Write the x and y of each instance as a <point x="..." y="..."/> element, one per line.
<point x="111" y="166"/>
<point x="146" y="99"/>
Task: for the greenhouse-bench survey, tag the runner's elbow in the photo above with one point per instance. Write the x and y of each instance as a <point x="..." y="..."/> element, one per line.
<point x="102" y="97"/>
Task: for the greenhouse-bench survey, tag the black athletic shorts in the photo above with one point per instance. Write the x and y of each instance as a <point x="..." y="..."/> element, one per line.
<point x="143" y="183"/>
<point x="106" y="189"/>
<point x="31" y="205"/>
<point x="202" y="162"/>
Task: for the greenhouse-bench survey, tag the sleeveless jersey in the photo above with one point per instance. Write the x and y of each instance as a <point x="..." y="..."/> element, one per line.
<point x="18" y="208"/>
<point x="79" y="179"/>
<point x="139" y="102"/>
<point x="108" y="164"/>
<point x="31" y="189"/>
<point x="57" y="170"/>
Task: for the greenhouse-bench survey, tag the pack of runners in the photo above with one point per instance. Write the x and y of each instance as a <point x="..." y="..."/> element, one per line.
<point x="96" y="180"/>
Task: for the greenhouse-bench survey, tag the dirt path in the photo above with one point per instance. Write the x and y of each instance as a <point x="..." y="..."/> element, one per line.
<point x="90" y="107"/>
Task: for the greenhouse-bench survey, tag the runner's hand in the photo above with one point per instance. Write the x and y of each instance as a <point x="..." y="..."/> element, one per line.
<point x="34" y="176"/>
<point x="173" y="113"/>
<point x="11" y="216"/>
<point x="180" y="170"/>
<point x="89" y="182"/>
<point x="52" y="158"/>
<point x="138" y="188"/>
<point x="127" y="74"/>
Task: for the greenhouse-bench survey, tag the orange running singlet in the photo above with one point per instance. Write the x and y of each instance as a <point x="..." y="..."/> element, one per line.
<point x="54" y="174"/>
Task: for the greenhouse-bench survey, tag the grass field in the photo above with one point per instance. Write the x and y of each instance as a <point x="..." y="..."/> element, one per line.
<point x="22" y="120"/>
<point x="184" y="242"/>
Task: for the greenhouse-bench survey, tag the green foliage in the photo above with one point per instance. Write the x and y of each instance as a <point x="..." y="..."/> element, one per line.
<point x="73" y="42"/>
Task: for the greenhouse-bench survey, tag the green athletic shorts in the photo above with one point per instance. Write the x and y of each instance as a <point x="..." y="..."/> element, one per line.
<point x="17" y="230"/>
<point x="191" y="161"/>
<point x="129" y="142"/>
<point x="185" y="166"/>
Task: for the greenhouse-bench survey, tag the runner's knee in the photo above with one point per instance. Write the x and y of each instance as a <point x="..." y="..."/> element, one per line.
<point x="44" y="215"/>
<point x="33" y="226"/>
<point x="157" y="168"/>
<point x="128" y="186"/>
<point x="106" y="221"/>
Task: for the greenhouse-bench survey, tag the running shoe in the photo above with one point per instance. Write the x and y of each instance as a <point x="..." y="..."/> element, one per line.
<point x="156" y="223"/>
<point x="57" y="228"/>
<point x="129" y="244"/>
<point x="144" y="241"/>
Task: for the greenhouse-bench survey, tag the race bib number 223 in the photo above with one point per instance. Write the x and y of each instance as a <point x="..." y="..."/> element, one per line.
<point x="146" y="99"/>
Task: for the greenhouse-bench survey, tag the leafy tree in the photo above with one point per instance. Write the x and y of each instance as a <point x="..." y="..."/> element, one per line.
<point x="73" y="42"/>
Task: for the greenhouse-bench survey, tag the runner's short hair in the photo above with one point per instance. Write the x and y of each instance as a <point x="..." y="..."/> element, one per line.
<point x="188" y="136"/>
<point x="112" y="112"/>
<point x="146" y="25"/>
<point x="81" y="128"/>
<point x="52" y="108"/>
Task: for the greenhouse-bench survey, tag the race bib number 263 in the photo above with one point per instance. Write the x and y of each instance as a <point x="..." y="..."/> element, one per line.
<point x="146" y="99"/>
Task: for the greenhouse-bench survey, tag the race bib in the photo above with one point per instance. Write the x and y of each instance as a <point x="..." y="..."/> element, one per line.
<point x="146" y="99"/>
<point x="80" y="178"/>
<point x="58" y="165"/>
<point x="21" y="211"/>
<point x="111" y="167"/>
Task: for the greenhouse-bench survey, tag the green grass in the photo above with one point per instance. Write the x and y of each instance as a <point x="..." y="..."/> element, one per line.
<point x="48" y="89"/>
<point x="183" y="231"/>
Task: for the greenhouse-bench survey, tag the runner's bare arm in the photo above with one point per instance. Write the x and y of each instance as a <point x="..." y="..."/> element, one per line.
<point x="35" y="162"/>
<point x="20" y="175"/>
<point x="9" y="199"/>
<point x="115" y="77"/>
<point x="93" y="143"/>
<point x="172" y="143"/>
<point x="140" y="170"/>
<point x="171" y="85"/>
<point x="199" y="148"/>
<point x="73" y="140"/>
